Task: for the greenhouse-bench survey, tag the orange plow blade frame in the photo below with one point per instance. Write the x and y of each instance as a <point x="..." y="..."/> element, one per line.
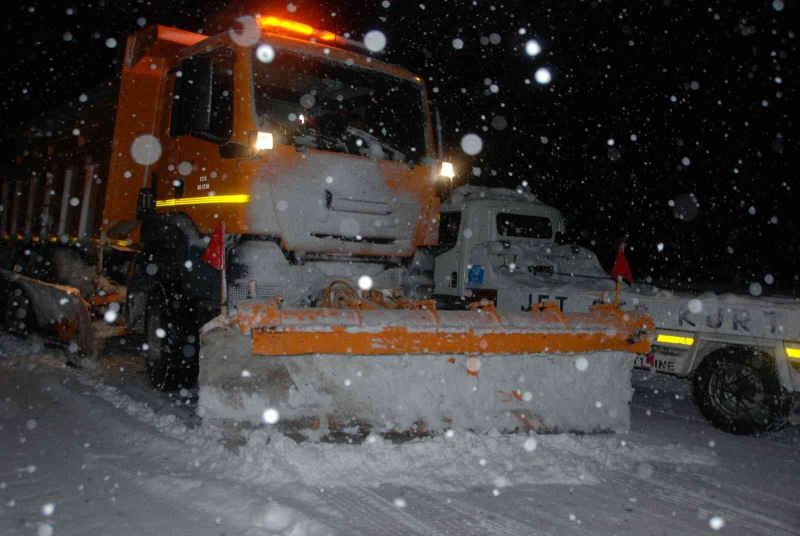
<point x="423" y="330"/>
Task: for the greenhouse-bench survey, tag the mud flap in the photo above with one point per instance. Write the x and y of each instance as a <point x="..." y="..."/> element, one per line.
<point x="60" y="311"/>
<point x="794" y="409"/>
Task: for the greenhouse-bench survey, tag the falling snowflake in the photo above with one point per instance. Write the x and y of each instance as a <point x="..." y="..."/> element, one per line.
<point x="270" y="416"/>
<point x="533" y="48"/>
<point x="265" y="53"/>
<point x="542" y="75"/>
<point x="375" y="41"/>
<point x="146" y="150"/>
<point x="471" y="144"/>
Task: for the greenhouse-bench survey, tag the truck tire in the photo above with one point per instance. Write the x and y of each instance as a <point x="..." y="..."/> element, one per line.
<point x="172" y="336"/>
<point x="737" y="390"/>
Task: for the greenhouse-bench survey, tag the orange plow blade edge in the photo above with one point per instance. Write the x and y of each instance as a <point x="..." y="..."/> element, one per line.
<point x="422" y="369"/>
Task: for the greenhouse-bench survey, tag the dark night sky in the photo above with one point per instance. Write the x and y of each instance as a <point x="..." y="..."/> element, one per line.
<point x="711" y="84"/>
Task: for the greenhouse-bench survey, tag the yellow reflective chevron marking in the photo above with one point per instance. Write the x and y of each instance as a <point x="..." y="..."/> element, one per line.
<point x="204" y="200"/>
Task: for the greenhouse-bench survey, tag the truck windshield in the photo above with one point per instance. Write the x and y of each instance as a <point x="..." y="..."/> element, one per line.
<point x="524" y="226"/>
<point x="313" y="102"/>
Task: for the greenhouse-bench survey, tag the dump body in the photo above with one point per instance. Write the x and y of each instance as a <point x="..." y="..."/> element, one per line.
<point x="60" y="194"/>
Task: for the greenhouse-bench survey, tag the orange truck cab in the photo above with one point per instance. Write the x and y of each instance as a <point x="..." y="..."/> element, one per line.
<point x="309" y="154"/>
<point x="318" y="159"/>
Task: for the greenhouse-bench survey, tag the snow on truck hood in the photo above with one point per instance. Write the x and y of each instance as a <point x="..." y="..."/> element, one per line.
<point x="463" y="194"/>
<point x="527" y="263"/>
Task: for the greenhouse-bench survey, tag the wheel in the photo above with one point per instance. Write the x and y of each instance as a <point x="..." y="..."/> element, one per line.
<point x="172" y="337"/>
<point x="737" y="390"/>
<point x="18" y="314"/>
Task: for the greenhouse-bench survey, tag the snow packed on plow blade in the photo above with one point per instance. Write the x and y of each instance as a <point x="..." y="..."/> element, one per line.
<point x="422" y="370"/>
<point x="58" y="310"/>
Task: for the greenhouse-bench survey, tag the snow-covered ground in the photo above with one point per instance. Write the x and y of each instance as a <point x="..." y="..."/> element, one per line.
<point x="98" y="452"/>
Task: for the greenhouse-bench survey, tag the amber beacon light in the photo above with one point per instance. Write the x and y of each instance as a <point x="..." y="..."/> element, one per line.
<point x="300" y="28"/>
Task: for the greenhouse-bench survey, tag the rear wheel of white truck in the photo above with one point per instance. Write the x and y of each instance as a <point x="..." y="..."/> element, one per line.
<point x="738" y="391"/>
<point x="171" y="353"/>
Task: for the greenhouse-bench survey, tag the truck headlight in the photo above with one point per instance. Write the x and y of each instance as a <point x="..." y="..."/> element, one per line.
<point x="447" y="170"/>
<point x="264" y="141"/>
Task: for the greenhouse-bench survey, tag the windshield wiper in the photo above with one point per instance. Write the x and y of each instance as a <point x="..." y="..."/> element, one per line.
<point x="397" y="155"/>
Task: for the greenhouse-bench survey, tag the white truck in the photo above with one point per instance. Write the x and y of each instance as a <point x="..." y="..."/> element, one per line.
<point x="741" y="353"/>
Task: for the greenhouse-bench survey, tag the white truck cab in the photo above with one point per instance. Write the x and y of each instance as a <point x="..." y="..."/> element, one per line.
<point x="472" y="224"/>
<point x="741" y="352"/>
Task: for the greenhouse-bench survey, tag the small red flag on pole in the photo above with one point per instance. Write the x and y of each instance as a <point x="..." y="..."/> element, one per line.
<point x="621" y="267"/>
<point x="214" y="256"/>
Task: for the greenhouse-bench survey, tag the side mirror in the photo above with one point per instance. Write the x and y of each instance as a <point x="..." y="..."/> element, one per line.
<point x="234" y="150"/>
<point x="444" y="188"/>
<point x="195" y="94"/>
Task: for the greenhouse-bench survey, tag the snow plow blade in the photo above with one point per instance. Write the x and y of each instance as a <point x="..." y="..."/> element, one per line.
<point x="59" y="310"/>
<point x="421" y="370"/>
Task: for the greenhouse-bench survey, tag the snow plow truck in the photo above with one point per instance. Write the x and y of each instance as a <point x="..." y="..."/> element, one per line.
<point x="250" y="204"/>
<point x="742" y="353"/>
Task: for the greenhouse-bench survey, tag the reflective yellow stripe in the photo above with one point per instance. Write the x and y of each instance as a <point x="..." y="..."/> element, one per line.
<point x="793" y="353"/>
<point x="204" y="200"/>
<point x="675" y="339"/>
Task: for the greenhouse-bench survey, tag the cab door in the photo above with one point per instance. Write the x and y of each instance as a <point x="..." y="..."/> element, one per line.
<point x="201" y="122"/>
<point x="170" y="141"/>
<point x="448" y="273"/>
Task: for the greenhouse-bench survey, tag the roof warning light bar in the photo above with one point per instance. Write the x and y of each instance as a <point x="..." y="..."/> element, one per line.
<point x="280" y="25"/>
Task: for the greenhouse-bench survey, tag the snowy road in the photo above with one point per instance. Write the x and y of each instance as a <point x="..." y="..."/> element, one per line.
<point x="99" y="453"/>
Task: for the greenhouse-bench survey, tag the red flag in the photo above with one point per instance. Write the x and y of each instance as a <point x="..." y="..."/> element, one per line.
<point x="621" y="267"/>
<point x="214" y="255"/>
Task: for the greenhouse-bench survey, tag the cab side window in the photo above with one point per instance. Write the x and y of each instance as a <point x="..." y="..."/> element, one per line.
<point x="524" y="226"/>
<point x="202" y="100"/>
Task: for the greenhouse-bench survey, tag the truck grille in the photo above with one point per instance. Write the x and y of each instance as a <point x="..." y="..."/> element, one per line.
<point x="237" y="293"/>
<point x="367" y="239"/>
